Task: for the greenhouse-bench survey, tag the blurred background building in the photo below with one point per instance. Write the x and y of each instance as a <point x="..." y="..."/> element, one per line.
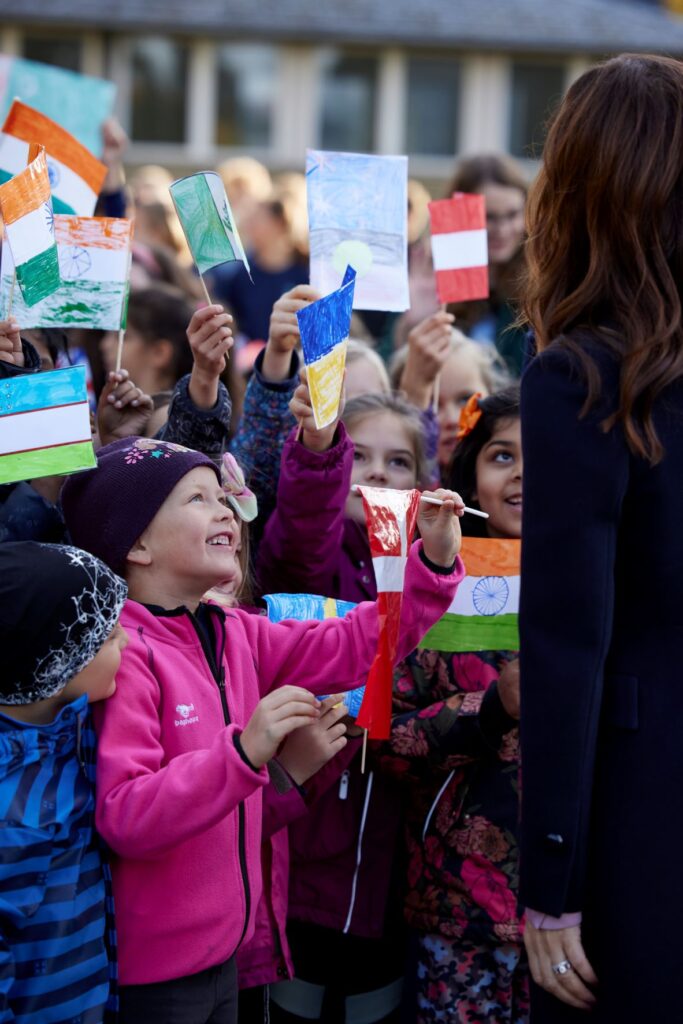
<point x="199" y="82"/>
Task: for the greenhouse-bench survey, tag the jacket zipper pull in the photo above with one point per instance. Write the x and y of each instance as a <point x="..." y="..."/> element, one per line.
<point x="344" y="784"/>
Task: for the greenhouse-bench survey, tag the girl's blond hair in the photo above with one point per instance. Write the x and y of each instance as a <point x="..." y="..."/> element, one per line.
<point x="364" y="406"/>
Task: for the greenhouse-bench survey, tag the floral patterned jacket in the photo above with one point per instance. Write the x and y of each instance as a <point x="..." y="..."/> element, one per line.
<point x="457" y="750"/>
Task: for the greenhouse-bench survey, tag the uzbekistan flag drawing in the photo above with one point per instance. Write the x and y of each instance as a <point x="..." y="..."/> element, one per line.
<point x="460" y="247"/>
<point x="26" y="207"/>
<point x="483" y="614"/>
<point x="206" y="218"/>
<point x="76" y="176"/>
<point x="45" y="425"/>
<point x="94" y="264"/>
<point x="324" y="327"/>
<point x="312" y="608"/>
<point x="390" y="516"/>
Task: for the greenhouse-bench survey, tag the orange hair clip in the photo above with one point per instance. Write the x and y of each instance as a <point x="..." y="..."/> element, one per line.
<point x="470" y="414"/>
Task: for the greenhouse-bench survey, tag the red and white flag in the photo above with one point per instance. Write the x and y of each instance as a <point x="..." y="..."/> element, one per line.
<point x="460" y="247"/>
<point x="390" y="517"/>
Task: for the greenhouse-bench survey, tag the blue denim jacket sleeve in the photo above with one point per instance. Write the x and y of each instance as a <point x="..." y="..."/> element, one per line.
<point x="206" y="430"/>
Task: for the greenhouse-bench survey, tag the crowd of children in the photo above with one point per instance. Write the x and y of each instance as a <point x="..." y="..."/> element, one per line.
<point x="205" y="844"/>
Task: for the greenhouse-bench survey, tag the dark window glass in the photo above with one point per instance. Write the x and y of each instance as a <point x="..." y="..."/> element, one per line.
<point x="159" y="68"/>
<point x="433" y="99"/>
<point x="536" y="91"/>
<point x="62" y="51"/>
<point x="349" y="85"/>
<point x="246" y="85"/>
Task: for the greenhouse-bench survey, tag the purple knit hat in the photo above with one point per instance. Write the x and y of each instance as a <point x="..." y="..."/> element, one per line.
<point x="108" y="508"/>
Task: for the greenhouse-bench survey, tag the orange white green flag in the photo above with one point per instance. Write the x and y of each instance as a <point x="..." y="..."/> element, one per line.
<point x="76" y="176"/>
<point x="483" y="615"/>
<point x="94" y="264"/>
<point x="26" y="208"/>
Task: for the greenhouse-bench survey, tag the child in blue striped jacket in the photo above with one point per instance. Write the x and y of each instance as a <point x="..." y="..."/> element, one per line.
<point x="61" y="644"/>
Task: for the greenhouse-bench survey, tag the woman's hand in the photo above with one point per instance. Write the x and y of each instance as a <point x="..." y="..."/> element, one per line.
<point x="123" y="409"/>
<point x="283" y="335"/>
<point x="547" y="949"/>
<point x="309" y="749"/>
<point x="439" y="527"/>
<point x="301" y="408"/>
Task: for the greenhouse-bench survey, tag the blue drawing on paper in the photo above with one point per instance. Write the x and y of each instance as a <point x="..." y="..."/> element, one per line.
<point x="490" y="595"/>
<point x="53" y="174"/>
<point x="327" y="322"/>
<point x="74" y="262"/>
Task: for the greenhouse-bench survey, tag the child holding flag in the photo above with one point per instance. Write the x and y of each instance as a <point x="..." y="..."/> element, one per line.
<point x="204" y="700"/>
<point x="455" y="746"/>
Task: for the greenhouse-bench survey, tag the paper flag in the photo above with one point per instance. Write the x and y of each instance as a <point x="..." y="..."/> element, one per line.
<point x="312" y="608"/>
<point x="94" y="264"/>
<point x="390" y="516"/>
<point x="483" y="614"/>
<point x="358" y="215"/>
<point x="460" y="247"/>
<point x="26" y="207"/>
<point x="79" y="103"/>
<point x="206" y="218"/>
<point x="324" y="327"/>
<point x="45" y="425"/>
<point x="76" y="176"/>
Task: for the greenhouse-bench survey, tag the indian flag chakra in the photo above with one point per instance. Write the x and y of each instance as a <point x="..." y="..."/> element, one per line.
<point x="94" y="266"/>
<point x="26" y="208"/>
<point x="460" y="247"/>
<point x="76" y="176"/>
<point x="312" y="608"/>
<point x="324" y="327"/>
<point x="206" y="218"/>
<point x="45" y="425"/>
<point x="483" y="614"/>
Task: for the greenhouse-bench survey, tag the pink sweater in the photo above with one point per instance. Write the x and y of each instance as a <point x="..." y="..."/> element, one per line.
<point x="176" y="801"/>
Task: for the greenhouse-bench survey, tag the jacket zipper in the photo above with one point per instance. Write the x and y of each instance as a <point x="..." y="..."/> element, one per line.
<point x="218" y="673"/>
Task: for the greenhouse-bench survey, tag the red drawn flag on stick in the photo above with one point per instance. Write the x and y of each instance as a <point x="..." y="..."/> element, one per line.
<point x="460" y="247"/>
<point x="390" y="517"/>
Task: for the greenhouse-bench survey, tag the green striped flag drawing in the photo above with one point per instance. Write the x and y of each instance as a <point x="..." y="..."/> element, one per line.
<point x="206" y="218"/>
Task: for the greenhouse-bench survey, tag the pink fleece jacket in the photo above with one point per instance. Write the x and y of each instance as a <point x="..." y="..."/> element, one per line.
<point x="176" y="801"/>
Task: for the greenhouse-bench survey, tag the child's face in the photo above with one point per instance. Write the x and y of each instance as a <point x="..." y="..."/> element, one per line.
<point x="499" y="480"/>
<point x="384" y="456"/>
<point x="460" y="379"/>
<point x="190" y="545"/>
<point x="98" y="678"/>
<point x="226" y="593"/>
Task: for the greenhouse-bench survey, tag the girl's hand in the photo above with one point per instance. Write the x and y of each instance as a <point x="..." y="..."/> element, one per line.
<point x="547" y="948"/>
<point x="10" y="342"/>
<point x="429" y="345"/>
<point x="300" y="407"/>
<point x="274" y="718"/>
<point x="283" y="335"/>
<point x="123" y="409"/>
<point x="210" y="338"/>
<point x="440" y="528"/>
<point x="309" y="749"/>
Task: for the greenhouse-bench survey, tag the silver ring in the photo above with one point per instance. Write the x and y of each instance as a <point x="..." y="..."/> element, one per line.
<point x="562" y="968"/>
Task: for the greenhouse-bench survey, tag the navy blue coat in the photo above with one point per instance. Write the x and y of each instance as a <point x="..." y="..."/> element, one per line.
<point x="601" y="624"/>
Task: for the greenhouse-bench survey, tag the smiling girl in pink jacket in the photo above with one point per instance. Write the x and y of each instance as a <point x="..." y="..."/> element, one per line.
<point x="204" y="699"/>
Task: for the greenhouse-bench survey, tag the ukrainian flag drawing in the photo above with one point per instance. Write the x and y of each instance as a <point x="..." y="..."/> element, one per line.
<point x="45" y="425"/>
<point x="324" y="327"/>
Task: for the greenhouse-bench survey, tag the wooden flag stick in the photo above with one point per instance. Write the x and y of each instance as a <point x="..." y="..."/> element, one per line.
<point x="364" y="751"/>
<point x="435" y="394"/>
<point x="206" y="291"/>
<point x="438" y="501"/>
<point x="11" y="295"/>
<point x="119" y="349"/>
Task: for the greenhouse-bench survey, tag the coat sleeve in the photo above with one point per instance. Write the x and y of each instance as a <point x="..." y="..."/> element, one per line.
<point x="336" y="654"/>
<point x="204" y="429"/>
<point x="575" y="480"/>
<point x="301" y="544"/>
<point x="145" y="803"/>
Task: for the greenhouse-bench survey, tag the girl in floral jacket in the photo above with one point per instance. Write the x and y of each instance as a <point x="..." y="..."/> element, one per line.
<point x="454" y="743"/>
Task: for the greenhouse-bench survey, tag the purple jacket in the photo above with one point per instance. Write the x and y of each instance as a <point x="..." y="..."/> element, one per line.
<point x="342" y="851"/>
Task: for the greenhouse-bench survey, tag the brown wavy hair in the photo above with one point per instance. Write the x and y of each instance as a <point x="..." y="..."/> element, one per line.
<point x="605" y="226"/>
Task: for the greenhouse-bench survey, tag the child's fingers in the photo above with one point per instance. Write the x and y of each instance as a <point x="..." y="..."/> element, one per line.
<point x="331" y="716"/>
<point x="210" y="326"/>
<point x="451" y="498"/>
<point x="331" y="702"/>
<point x="335" y="732"/>
<point x="283" y="694"/>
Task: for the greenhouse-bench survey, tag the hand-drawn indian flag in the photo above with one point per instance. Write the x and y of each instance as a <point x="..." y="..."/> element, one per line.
<point x="206" y="218"/>
<point x="483" y="614"/>
<point x="312" y="608"/>
<point x="26" y="207"/>
<point x="45" y="425"/>
<point x="324" y="327"/>
<point x="460" y="247"/>
<point x="390" y="516"/>
<point x="76" y="176"/>
<point x="94" y="263"/>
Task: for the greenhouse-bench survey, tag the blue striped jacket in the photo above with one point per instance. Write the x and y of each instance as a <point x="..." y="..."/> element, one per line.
<point x="54" y="907"/>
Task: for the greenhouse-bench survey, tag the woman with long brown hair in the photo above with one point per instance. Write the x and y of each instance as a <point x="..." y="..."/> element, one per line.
<point x="601" y="614"/>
